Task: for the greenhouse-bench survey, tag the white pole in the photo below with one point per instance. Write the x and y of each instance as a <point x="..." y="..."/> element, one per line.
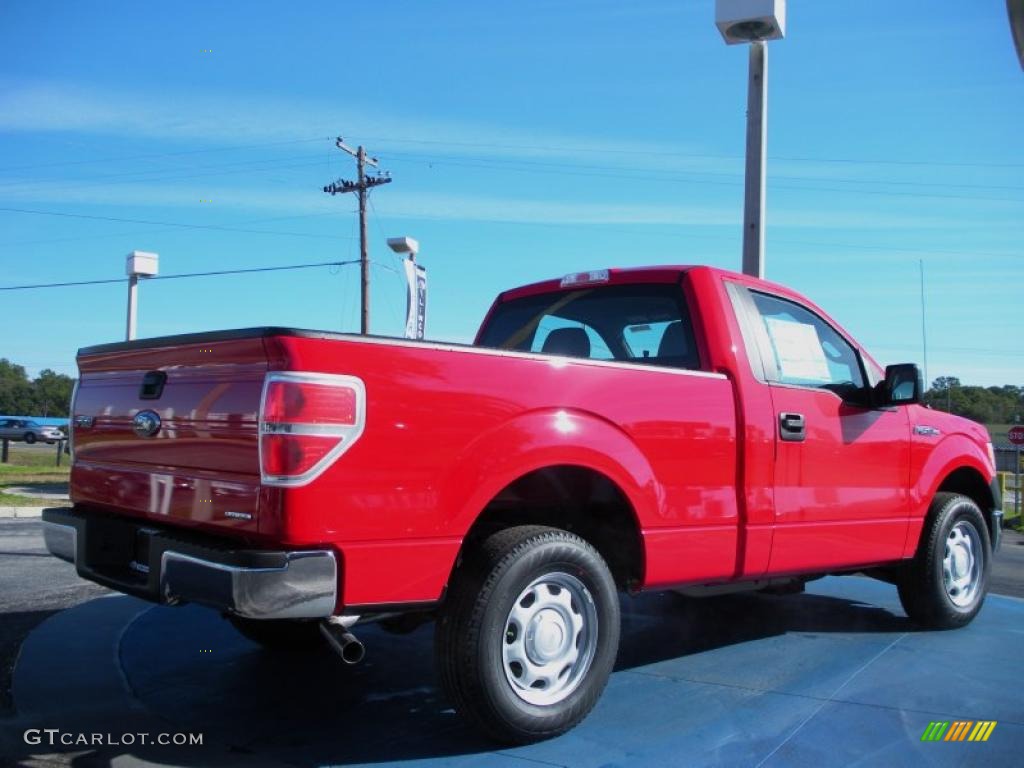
<point x="133" y="294"/>
<point x="757" y="143"/>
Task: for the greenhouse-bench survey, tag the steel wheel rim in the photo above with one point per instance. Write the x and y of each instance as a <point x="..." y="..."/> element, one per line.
<point x="550" y="639"/>
<point x="962" y="564"/>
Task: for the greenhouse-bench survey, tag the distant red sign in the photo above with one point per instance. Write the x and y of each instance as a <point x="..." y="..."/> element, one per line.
<point x="1016" y="435"/>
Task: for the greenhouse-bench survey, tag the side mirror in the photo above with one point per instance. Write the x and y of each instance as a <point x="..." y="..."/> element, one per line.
<point x="903" y="385"/>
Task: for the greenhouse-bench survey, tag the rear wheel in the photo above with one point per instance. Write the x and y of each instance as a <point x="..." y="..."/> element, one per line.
<point x="529" y="633"/>
<point x="280" y="635"/>
<point x="30" y="437"/>
<point x="945" y="584"/>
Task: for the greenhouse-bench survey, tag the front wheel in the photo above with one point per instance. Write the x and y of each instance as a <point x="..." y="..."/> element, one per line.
<point x="945" y="584"/>
<point x="529" y="634"/>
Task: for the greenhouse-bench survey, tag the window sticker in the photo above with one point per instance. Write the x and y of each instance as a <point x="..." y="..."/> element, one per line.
<point x="798" y="350"/>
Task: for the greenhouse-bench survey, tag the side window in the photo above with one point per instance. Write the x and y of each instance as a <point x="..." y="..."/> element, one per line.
<point x="808" y="351"/>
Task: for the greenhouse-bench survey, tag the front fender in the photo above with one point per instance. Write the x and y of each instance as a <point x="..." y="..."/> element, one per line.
<point x="952" y="452"/>
<point x="545" y="438"/>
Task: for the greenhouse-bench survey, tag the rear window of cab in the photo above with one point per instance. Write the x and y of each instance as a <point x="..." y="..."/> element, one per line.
<point x="637" y="323"/>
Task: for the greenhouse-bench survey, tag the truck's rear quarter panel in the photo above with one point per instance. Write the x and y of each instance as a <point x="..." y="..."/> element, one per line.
<point x="448" y="427"/>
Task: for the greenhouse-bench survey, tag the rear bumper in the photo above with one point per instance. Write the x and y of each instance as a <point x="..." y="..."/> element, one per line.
<point x="165" y="567"/>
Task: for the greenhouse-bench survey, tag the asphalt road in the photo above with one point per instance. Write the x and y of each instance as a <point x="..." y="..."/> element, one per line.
<point x="34" y="585"/>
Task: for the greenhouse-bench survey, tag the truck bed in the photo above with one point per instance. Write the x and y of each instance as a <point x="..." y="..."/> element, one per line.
<point x="448" y="427"/>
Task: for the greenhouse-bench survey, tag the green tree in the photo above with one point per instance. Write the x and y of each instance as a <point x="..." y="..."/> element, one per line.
<point x="52" y="393"/>
<point x="989" y="405"/>
<point x="16" y="391"/>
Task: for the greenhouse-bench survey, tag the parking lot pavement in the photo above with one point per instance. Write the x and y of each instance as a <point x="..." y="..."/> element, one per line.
<point x="33" y="586"/>
<point x="1008" y="566"/>
<point x="834" y="677"/>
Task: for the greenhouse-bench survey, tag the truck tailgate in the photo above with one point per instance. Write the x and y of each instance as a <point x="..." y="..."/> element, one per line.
<point x="169" y="431"/>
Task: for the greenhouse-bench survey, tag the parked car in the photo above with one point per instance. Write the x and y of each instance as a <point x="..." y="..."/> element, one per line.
<point x="29" y="431"/>
<point x="619" y="430"/>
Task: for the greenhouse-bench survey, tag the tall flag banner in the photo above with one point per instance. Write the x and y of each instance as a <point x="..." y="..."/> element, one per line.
<point x="415" y="300"/>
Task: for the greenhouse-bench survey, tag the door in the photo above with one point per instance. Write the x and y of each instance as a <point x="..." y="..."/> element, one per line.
<point x="842" y="466"/>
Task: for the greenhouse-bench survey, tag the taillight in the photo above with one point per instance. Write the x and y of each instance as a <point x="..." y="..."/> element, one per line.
<point x="307" y="420"/>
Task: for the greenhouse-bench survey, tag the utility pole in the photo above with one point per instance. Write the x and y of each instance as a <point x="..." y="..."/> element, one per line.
<point x="362" y="188"/>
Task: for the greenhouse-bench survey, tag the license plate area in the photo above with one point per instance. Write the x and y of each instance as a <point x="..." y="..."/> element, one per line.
<point x="143" y="541"/>
<point x="118" y="550"/>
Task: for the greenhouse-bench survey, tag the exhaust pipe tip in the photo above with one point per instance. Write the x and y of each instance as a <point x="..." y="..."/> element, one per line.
<point x="344" y="643"/>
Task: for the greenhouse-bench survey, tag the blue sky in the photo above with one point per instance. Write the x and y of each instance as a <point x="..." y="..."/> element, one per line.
<point x="526" y="140"/>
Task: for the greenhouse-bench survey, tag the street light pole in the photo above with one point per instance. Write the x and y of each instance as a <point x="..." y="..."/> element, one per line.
<point x="755" y="178"/>
<point x="133" y="298"/>
<point x="137" y="264"/>
<point x="754" y="22"/>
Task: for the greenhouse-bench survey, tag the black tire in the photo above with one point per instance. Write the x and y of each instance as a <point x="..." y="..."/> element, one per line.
<point x="922" y="584"/>
<point x="30" y="437"/>
<point x="475" y="630"/>
<point x="279" y="635"/>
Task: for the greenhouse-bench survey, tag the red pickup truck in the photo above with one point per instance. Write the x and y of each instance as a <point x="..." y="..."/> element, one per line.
<point x="625" y="429"/>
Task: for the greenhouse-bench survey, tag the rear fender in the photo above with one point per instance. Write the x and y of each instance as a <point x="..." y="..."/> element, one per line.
<point x="539" y="439"/>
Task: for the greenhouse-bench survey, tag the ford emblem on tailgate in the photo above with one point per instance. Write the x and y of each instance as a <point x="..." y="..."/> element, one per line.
<point x="146" y="423"/>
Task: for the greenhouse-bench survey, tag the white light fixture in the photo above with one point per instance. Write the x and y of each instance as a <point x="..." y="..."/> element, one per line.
<point x="404" y="245"/>
<point x="747" y="21"/>
<point x="137" y="264"/>
<point x="416" y="284"/>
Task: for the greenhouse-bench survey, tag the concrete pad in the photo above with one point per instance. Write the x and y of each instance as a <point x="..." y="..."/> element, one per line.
<point x="20" y="512"/>
<point x="44" y="491"/>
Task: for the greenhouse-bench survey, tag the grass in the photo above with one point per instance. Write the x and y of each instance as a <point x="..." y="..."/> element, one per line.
<point x="31" y="467"/>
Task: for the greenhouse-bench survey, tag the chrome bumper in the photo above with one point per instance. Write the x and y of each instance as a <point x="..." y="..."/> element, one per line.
<point x="255" y="584"/>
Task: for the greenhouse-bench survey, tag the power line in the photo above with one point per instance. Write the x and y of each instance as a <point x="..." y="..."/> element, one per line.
<point x="136" y="232"/>
<point x="648" y="176"/>
<point x="639" y="230"/>
<point x="699" y="155"/>
<point x="254" y="165"/>
<point x="564" y="149"/>
<point x="159" y="174"/>
<point x="164" y="154"/>
<point x="181" y="225"/>
<point x="182" y="275"/>
<point x="645" y="174"/>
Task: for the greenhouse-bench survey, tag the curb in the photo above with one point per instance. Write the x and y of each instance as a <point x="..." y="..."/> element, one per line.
<point x="21" y="512"/>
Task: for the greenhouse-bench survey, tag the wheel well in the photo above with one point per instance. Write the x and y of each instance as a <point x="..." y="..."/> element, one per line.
<point x="576" y="499"/>
<point x="968" y="482"/>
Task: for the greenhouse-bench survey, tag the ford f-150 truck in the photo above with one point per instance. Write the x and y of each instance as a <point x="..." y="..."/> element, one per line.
<point x="617" y="430"/>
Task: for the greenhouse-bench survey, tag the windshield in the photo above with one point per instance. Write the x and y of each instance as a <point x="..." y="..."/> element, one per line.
<point x="633" y="323"/>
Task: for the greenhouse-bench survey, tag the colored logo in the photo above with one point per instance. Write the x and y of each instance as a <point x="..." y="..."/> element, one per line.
<point x="146" y="423"/>
<point x="958" y="730"/>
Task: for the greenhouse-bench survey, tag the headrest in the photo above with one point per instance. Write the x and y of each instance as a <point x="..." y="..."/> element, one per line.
<point x="571" y="342"/>
<point x="674" y="342"/>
